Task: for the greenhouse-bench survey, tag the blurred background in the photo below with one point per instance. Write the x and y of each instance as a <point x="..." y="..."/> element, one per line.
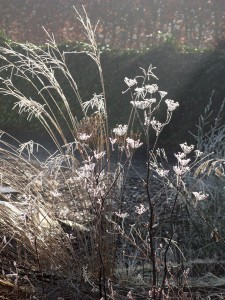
<point x="123" y="23"/>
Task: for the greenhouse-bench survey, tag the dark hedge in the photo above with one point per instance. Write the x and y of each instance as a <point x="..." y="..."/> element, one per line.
<point x="189" y="77"/>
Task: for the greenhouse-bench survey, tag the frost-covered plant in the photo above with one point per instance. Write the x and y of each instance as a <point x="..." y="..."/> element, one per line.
<point x="156" y="232"/>
<point x="145" y="232"/>
<point x="71" y="202"/>
<point x="68" y="217"/>
<point x="208" y="183"/>
<point x="58" y="219"/>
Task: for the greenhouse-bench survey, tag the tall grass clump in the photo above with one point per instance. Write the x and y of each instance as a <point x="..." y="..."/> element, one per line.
<point x="70" y="226"/>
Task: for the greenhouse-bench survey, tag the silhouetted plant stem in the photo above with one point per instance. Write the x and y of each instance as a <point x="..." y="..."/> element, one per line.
<point x="165" y="271"/>
<point x="150" y="226"/>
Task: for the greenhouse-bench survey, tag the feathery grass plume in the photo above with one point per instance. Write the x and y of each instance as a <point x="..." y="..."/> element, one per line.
<point x="56" y="213"/>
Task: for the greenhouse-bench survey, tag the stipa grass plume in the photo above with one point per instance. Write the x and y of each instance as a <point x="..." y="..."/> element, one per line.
<point x="54" y="220"/>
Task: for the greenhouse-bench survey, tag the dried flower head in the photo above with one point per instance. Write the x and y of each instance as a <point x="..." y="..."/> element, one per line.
<point x="143" y="104"/>
<point x="121" y="215"/>
<point x="130" y="82"/>
<point x="181" y="157"/>
<point x="120" y="130"/>
<point x="187" y="149"/>
<point x="198" y="153"/>
<point x="133" y="144"/>
<point x="200" y="196"/>
<point x="140" y="91"/>
<point x="162" y="94"/>
<point x="99" y="155"/>
<point x="171" y="104"/>
<point x="140" y="209"/>
<point x="151" y="88"/>
<point x="162" y="172"/>
<point x="157" y="126"/>
<point x="180" y="170"/>
<point x="84" y="136"/>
